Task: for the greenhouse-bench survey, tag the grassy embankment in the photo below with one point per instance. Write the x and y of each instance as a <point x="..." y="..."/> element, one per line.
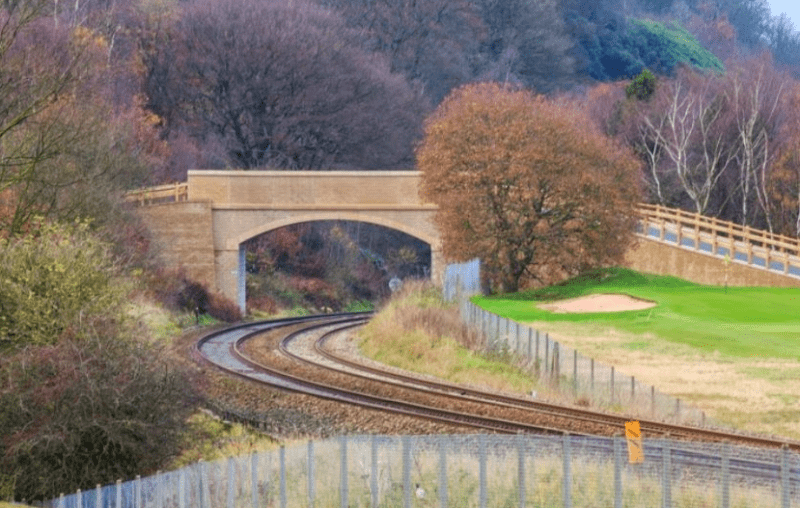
<point x="734" y="352"/>
<point x="417" y="332"/>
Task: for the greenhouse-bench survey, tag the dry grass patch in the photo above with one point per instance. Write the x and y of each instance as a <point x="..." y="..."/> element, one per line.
<point x="417" y="332"/>
<point x="752" y="394"/>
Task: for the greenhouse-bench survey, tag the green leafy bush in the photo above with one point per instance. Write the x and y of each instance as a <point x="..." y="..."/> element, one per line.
<point x="642" y="87"/>
<point x="85" y="398"/>
<point x="56" y="279"/>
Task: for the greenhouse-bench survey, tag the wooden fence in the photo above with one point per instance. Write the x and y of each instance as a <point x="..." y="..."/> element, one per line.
<point x="160" y="194"/>
<point x="722" y="238"/>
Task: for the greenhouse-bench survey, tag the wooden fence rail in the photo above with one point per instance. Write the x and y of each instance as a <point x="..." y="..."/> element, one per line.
<point x="739" y="243"/>
<point x="159" y="194"/>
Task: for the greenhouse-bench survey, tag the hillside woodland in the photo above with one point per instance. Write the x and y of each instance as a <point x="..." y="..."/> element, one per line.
<point x="101" y="96"/>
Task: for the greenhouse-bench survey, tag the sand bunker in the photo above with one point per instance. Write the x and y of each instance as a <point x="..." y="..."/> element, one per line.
<point x="597" y="303"/>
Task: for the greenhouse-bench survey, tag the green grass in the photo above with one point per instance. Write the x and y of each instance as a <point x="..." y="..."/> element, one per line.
<point x="740" y="322"/>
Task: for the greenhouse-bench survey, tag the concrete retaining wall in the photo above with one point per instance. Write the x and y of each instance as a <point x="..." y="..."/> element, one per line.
<point x="653" y="256"/>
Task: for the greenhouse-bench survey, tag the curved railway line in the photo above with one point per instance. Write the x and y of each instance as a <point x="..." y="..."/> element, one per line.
<point x="301" y="362"/>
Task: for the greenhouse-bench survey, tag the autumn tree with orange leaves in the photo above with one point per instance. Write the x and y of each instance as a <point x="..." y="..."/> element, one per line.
<point x="527" y="184"/>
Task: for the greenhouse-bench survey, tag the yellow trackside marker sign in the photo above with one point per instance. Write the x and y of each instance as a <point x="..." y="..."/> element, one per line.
<point x="634" y="436"/>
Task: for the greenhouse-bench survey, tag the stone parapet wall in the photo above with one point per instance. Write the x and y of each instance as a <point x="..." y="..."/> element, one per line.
<point x="285" y="188"/>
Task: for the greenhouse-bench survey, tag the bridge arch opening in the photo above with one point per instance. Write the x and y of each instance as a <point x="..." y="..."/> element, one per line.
<point x="327" y="264"/>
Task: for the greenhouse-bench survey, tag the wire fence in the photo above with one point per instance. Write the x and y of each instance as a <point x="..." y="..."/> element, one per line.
<point x="565" y="370"/>
<point x="562" y="368"/>
<point x="469" y="471"/>
<point x="461" y="280"/>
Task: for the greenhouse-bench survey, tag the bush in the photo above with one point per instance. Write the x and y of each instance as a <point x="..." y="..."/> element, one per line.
<point x="57" y="278"/>
<point x="642" y="87"/>
<point x="193" y="298"/>
<point x="222" y="308"/>
<point x="79" y="413"/>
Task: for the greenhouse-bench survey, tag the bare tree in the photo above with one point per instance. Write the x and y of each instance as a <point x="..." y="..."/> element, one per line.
<point x="689" y="125"/>
<point x="283" y="86"/>
<point x="432" y="42"/>
<point x="757" y="93"/>
<point x="526" y="42"/>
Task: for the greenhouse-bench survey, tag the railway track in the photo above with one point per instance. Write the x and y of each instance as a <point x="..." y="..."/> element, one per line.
<point x="301" y="362"/>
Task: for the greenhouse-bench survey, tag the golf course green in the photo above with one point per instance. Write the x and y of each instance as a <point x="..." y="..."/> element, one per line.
<point x="742" y="322"/>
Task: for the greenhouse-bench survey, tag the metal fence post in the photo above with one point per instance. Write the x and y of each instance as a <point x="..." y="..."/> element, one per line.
<point x="575" y="371"/>
<point x="343" y="494"/>
<point x="617" y="471"/>
<point x="98" y="495"/>
<point x="137" y="492"/>
<point x="373" y="480"/>
<point x="119" y="495"/>
<point x="484" y="328"/>
<point x="633" y="387"/>
<point x="159" y="489"/>
<point x="496" y="331"/>
<point x="312" y="494"/>
<point x="547" y="355"/>
<point x="536" y="359"/>
<point x="557" y="363"/>
<point x="612" y="385"/>
<point x="253" y="479"/>
<point x="181" y="489"/>
<point x="666" y="474"/>
<point x="231" y="492"/>
<point x="567" y="453"/>
<point x="443" y="471"/>
<point x="652" y="401"/>
<point x="482" y="469"/>
<point x="406" y="472"/>
<point x="205" y="491"/>
<point x="521" y="470"/>
<point x="785" y="500"/>
<point x="282" y="473"/>
<point x="726" y="475"/>
<point x="530" y="344"/>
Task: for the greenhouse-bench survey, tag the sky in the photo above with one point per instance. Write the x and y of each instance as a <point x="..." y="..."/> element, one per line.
<point x="790" y="7"/>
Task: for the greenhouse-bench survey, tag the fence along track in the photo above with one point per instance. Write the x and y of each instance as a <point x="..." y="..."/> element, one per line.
<point x="224" y="352"/>
<point x="466" y="470"/>
<point x="651" y="427"/>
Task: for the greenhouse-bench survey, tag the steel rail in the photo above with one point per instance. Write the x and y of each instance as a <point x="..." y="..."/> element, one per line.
<point x="651" y="427"/>
<point x="226" y="355"/>
<point x="229" y="342"/>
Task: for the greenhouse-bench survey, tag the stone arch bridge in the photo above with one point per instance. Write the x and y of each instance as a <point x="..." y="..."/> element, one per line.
<point x="202" y="225"/>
